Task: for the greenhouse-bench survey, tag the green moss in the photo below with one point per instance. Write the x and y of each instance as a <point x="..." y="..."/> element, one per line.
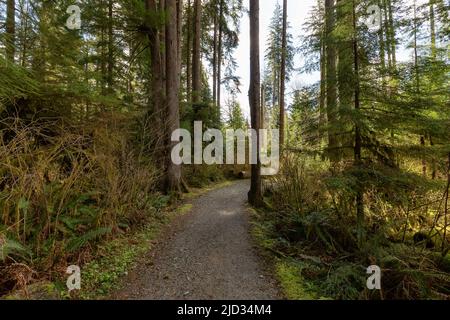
<point x="184" y="208"/>
<point x="294" y="286"/>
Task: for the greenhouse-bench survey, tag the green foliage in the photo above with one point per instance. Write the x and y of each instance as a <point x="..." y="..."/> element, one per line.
<point x="311" y="227"/>
<point x="11" y="248"/>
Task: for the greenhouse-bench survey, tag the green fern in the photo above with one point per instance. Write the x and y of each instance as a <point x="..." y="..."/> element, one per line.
<point x="9" y="248"/>
<point x="77" y="243"/>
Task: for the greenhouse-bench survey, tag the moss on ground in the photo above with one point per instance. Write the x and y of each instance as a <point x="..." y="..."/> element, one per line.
<point x="287" y="271"/>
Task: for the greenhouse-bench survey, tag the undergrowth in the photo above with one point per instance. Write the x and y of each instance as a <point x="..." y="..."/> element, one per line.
<point x="310" y="230"/>
<point x="65" y="188"/>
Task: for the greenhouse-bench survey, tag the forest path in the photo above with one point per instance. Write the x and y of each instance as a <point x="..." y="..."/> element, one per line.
<point x="207" y="255"/>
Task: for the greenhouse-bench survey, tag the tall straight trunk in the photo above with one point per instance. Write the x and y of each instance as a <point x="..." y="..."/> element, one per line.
<point x="215" y="41"/>
<point x="25" y="30"/>
<point x="173" y="182"/>
<point x="345" y="76"/>
<point x="416" y="54"/>
<point x="433" y="57"/>
<point x="255" y="194"/>
<point x="387" y="33"/>
<point x="179" y="34"/>
<point x="381" y="42"/>
<point x="157" y="91"/>
<point x="393" y="41"/>
<point x="110" y="77"/>
<point x="196" y="56"/>
<point x="283" y="74"/>
<point x="358" y="138"/>
<point x="432" y="30"/>
<point x="162" y="34"/>
<point x="10" y="35"/>
<point x="333" y="146"/>
<point x="103" y="53"/>
<point x="188" y="53"/>
<point x="323" y="90"/>
<point x="219" y="55"/>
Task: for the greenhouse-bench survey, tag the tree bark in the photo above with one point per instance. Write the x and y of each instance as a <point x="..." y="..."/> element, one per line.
<point x="157" y="91"/>
<point x="283" y="75"/>
<point x="387" y="33"/>
<point x="333" y="147"/>
<point x="219" y="55"/>
<point x="188" y="53"/>
<point x="358" y="139"/>
<point x="255" y="194"/>
<point x="196" y="57"/>
<point x="179" y="34"/>
<point x="10" y="35"/>
<point x="215" y="41"/>
<point x="432" y="30"/>
<point x="345" y="77"/>
<point x="172" y="85"/>
<point x="392" y="42"/>
<point x="110" y="76"/>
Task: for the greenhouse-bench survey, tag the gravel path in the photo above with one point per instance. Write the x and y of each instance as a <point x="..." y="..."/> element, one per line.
<point x="207" y="255"/>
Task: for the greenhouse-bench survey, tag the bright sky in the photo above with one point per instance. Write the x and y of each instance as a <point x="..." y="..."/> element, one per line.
<point x="297" y="13"/>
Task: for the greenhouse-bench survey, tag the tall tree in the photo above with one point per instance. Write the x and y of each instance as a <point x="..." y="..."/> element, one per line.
<point x="172" y="87"/>
<point x="220" y="53"/>
<point x="188" y="51"/>
<point x="156" y="62"/>
<point x="283" y="74"/>
<point x="255" y="194"/>
<point x="333" y="145"/>
<point x="110" y="75"/>
<point x="196" y="55"/>
<point x="10" y="35"/>
<point x="358" y="136"/>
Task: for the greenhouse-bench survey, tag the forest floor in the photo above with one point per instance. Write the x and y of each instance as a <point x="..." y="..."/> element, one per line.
<point x="205" y="254"/>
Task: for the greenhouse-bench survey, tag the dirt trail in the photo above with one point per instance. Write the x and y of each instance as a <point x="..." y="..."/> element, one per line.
<point x="207" y="255"/>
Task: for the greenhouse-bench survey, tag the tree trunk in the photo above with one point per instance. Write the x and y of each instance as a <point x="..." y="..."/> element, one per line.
<point x="179" y="34"/>
<point x="283" y="75"/>
<point x="162" y="34"/>
<point x="219" y="56"/>
<point x="188" y="53"/>
<point x="432" y="30"/>
<point x="345" y="77"/>
<point x="381" y="35"/>
<point x="157" y="91"/>
<point x="255" y="194"/>
<point x="333" y="148"/>
<point x="215" y="41"/>
<point x="196" y="57"/>
<point x="392" y="42"/>
<point x="358" y="139"/>
<point x="323" y="88"/>
<point x="387" y="32"/>
<point x="110" y="77"/>
<point x="173" y="183"/>
<point x="10" y="35"/>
